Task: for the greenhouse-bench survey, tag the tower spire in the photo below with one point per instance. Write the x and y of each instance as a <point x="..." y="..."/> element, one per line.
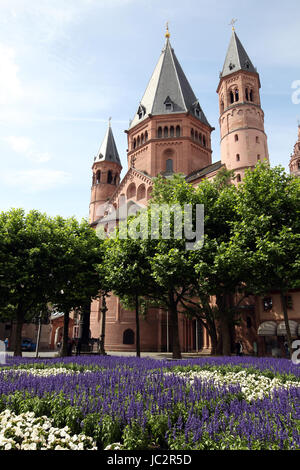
<point x="168" y="90"/>
<point x="236" y="58"/>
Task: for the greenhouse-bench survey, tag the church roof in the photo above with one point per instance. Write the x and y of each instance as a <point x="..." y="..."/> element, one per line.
<point x="204" y="171"/>
<point x="236" y="58"/>
<point x="168" y="90"/>
<point x="108" y="150"/>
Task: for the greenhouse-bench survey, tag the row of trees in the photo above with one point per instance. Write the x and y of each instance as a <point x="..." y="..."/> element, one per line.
<point x="250" y="246"/>
<point x="46" y="264"/>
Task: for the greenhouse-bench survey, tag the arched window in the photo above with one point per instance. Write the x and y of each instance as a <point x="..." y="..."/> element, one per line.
<point x="177" y="131"/>
<point x="236" y="93"/>
<point x="257" y="139"/>
<point x="172" y="131"/>
<point x="115" y="179"/>
<point x="238" y="158"/>
<point x="94" y="179"/>
<point x="251" y="95"/>
<point x="238" y="178"/>
<point x="138" y="141"/>
<point x="128" y="337"/>
<point x="149" y="191"/>
<point x="159" y="132"/>
<point x="169" y="165"/>
<point x="146" y="136"/>
<point x="131" y="191"/>
<point x="141" y="192"/>
<point x="231" y="97"/>
<point x="196" y="135"/>
<point x="142" y="139"/>
<point x="204" y="141"/>
<point x="258" y="158"/>
<point x="166" y="132"/>
<point x="134" y="143"/>
<point x="109" y="177"/>
<point x="236" y="138"/>
<point x="192" y="134"/>
<point x="247" y="94"/>
<point x="200" y="137"/>
<point x="98" y="177"/>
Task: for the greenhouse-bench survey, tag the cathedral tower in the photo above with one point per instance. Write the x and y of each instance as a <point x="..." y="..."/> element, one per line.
<point x="243" y="137"/>
<point x="106" y="175"/>
<point x="169" y="132"/>
<point x="295" y="157"/>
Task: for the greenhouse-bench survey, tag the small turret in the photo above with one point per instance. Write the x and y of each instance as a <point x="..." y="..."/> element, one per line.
<point x="295" y="157"/>
<point x="106" y="175"/>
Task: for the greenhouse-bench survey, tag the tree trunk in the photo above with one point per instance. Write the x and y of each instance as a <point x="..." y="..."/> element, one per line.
<point x="286" y="321"/>
<point x="224" y="325"/>
<point x="64" y="351"/>
<point x="103" y="321"/>
<point x="84" y="329"/>
<point x="211" y="328"/>
<point x="226" y="340"/>
<point x="18" y="336"/>
<point x="137" y="322"/>
<point x="175" y="333"/>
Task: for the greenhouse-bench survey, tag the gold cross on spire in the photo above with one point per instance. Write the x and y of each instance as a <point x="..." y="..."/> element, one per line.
<point x="232" y="23"/>
<point x="109" y="121"/>
<point x="167" y="35"/>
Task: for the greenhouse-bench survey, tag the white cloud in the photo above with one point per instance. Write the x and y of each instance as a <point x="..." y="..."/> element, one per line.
<point x="32" y="181"/>
<point x="25" y="146"/>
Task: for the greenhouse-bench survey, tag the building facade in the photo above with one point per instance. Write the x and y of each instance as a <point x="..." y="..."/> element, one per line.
<point x="171" y="134"/>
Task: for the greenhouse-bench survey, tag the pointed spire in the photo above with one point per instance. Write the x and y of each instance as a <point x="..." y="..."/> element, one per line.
<point x="236" y="58"/>
<point x="168" y="90"/>
<point x="108" y="150"/>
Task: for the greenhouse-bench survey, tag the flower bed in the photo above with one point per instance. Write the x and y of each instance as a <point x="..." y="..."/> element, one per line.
<point x="129" y="403"/>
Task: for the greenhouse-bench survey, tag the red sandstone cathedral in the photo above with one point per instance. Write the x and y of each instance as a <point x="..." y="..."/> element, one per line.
<point x="170" y="134"/>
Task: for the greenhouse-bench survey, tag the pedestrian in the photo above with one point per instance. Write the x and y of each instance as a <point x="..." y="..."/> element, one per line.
<point x="6" y="344"/>
<point x="241" y="348"/>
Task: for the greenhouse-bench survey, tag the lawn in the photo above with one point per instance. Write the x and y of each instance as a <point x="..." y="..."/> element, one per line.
<point x="129" y="403"/>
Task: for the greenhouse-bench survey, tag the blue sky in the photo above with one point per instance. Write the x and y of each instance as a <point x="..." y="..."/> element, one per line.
<point x="66" y="66"/>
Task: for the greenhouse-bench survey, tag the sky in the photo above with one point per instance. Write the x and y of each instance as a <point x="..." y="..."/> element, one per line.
<point x="66" y="66"/>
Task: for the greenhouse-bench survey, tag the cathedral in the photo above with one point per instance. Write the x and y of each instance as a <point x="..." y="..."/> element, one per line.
<point x="170" y="134"/>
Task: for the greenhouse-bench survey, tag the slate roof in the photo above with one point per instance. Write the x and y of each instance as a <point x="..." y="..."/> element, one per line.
<point x="204" y="171"/>
<point x="236" y="58"/>
<point x="108" y="150"/>
<point x="168" y="90"/>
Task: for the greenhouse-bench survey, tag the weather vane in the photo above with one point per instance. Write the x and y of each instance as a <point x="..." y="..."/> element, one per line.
<point x="167" y="32"/>
<point x="232" y="23"/>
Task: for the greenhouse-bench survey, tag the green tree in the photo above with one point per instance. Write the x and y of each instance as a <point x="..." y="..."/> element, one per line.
<point x="78" y="251"/>
<point x="25" y="272"/>
<point x="267" y="232"/>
